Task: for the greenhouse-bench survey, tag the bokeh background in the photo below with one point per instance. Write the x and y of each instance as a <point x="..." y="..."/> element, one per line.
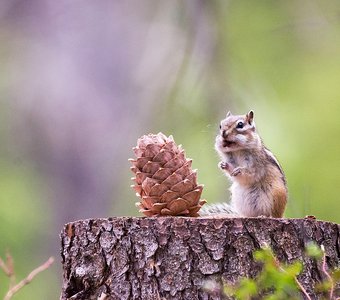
<point x="80" y="81"/>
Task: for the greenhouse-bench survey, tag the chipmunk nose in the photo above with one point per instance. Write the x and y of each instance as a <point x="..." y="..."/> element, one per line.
<point x="224" y="134"/>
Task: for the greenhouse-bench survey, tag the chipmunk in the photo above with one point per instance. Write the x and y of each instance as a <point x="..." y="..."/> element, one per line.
<point x="258" y="182"/>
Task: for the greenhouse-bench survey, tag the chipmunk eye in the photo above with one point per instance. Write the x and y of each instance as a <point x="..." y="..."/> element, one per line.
<point x="240" y="124"/>
<point x="220" y="126"/>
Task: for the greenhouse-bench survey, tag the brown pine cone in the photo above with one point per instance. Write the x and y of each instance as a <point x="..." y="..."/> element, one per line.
<point x="164" y="179"/>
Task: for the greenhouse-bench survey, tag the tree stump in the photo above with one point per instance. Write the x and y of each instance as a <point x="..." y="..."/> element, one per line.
<point x="172" y="257"/>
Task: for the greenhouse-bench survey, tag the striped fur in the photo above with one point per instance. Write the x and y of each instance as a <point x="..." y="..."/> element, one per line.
<point x="258" y="181"/>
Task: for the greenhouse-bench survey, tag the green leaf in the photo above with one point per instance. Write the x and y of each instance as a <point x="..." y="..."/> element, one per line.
<point x="336" y="275"/>
<point x="247" y="288"/>
<point x="294" y="269"/>
<point x="229" y="290"/>
<point x="323" y="286"/>
<point x="266" y="256"/>
<point x="313" y="250"/>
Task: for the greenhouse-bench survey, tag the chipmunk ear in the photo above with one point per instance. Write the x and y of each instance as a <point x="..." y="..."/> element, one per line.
<point x="228" y="114"/>
<point x="250" y="117"/>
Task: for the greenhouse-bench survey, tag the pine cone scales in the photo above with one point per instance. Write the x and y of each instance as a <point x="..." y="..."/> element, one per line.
<point x="164" y="179"/>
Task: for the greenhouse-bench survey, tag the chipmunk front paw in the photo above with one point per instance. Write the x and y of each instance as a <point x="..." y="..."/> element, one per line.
<point x="224" y="165"/>
<point x="236" y="171"/>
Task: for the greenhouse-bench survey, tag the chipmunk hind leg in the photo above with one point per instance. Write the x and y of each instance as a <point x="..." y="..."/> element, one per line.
<point x="279" y="202"/>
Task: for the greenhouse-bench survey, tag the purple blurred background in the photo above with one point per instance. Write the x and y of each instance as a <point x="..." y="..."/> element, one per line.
<point x="81" y="81"/>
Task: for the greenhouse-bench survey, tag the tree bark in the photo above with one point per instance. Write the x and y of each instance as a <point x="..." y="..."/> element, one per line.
<point x="173" y="257"/>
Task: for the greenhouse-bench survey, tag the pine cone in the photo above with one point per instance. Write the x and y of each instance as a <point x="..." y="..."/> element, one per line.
<point x="164" y="179"/>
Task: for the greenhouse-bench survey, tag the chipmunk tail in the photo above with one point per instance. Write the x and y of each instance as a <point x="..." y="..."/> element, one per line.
<point x="218" y="210"/>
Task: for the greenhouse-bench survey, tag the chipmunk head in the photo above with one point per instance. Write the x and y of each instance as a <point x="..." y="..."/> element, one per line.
<point x="237" y="133"/>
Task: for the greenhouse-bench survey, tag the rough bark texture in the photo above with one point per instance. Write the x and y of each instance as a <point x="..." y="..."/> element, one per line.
<point x="172" y="257"/>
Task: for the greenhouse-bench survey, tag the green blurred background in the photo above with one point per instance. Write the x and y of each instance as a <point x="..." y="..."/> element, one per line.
<point x="80" y="81"/>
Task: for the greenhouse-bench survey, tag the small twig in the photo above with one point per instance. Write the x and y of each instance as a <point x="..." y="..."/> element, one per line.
<point x="303" y="290"/>
<point x="4" y="267"/>
<point x="10" y="267"/>
<point x="329" y="277"/>
<point x="29" y="278"/>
